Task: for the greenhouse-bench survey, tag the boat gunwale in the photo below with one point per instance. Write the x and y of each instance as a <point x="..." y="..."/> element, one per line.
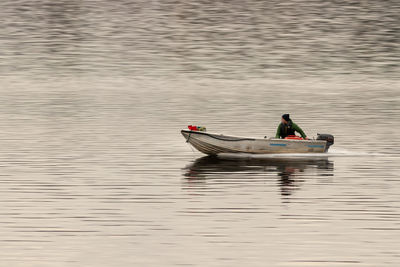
<point x="219" y="137"/>
<point x="235" y="139"/>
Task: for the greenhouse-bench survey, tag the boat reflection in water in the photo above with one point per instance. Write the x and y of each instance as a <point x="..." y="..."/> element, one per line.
<point x="291" y="172"/>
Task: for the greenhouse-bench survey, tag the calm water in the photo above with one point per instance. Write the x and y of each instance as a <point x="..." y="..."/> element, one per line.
<point x="94" y="171"/>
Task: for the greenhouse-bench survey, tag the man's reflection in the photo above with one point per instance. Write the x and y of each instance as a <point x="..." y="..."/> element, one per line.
<point x="288" y="178"/>
<point x="287" y="169"/>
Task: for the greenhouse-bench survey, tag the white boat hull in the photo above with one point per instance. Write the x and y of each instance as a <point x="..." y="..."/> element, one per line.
<point x="213" y="144"/>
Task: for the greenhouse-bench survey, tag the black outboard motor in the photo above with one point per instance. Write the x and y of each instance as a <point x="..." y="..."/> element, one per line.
<point x="328" y="138"/>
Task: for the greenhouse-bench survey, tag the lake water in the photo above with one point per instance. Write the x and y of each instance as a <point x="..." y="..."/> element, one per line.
<point x="94" y="171"/>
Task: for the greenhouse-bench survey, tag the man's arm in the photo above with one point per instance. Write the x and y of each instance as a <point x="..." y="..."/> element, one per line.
<point x="278" y="132"/>
<point x="299" y="130"/>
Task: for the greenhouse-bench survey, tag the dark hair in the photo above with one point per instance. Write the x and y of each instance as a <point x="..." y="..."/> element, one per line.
<point x="286" y="117"/>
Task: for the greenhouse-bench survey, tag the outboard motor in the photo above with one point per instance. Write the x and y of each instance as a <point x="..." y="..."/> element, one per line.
<point x="328" y="138"/>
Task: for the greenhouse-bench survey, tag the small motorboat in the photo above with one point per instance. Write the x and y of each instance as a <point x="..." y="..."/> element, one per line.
<point x="214" y="144"/>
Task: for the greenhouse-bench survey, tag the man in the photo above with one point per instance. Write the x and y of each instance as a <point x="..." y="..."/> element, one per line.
<point x="288" y="127"/>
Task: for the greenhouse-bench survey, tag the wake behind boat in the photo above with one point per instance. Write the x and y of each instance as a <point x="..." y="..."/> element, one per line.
<point x="214" y="144"/>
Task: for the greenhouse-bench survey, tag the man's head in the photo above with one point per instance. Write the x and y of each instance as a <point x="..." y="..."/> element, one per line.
<point x="285" y="118"/>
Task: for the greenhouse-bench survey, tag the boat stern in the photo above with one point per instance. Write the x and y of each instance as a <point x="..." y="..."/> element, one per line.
<point x="330" y="140"/>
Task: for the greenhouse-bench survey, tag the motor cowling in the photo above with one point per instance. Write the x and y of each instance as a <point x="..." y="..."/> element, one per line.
<point x="328" y="138"/>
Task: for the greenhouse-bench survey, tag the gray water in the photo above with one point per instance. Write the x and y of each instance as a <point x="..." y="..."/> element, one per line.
<point x="94" y="171"/>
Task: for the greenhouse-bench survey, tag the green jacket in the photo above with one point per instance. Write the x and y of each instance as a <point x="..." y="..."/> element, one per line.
<point x="295" y="127"/>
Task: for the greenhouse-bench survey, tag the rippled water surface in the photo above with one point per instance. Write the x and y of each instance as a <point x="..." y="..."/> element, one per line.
<point x="94" y="171"/>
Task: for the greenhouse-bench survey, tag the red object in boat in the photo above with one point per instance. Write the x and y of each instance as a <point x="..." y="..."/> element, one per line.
<point x="192" y="128"/>
<point x="294" y="137"/>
